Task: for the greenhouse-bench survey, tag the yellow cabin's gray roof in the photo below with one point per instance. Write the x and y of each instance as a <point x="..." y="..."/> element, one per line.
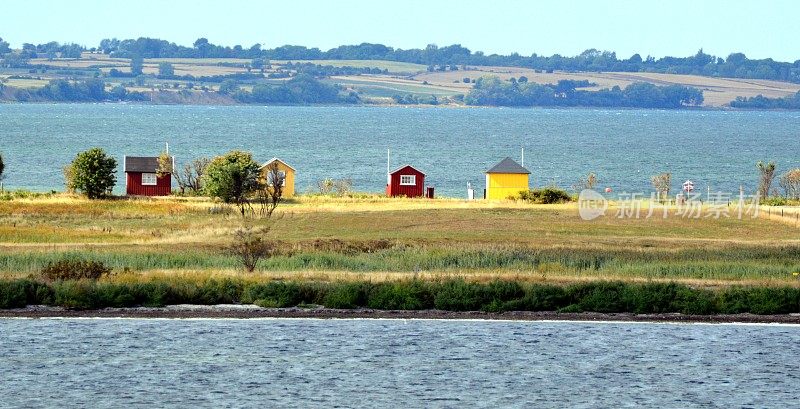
<point x="508" y="165"/>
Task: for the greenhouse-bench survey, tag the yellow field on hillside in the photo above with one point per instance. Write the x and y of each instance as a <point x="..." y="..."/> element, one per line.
<point x="716" y="91"/>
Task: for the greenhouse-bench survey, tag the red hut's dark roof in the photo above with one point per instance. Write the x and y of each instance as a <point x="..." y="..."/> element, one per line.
<point x="406" y="166"/>
<point x="144" y="164"/>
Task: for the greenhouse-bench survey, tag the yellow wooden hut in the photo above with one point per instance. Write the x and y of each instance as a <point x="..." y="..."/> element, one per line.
<point x="287" y="172"/>
<point x="506" y="179"/>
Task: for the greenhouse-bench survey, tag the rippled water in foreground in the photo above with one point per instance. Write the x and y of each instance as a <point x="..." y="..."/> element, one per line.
<point x="394" y="363"/>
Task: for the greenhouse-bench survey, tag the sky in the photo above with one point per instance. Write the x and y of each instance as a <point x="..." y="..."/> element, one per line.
<point x="760" y="29"/>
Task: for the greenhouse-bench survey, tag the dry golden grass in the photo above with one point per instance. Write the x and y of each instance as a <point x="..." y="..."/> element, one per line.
<point x="481" y="276"/>
<point x="25" y="83"/>
<point x="82" y="63"/>
<point x="378" y="238"/>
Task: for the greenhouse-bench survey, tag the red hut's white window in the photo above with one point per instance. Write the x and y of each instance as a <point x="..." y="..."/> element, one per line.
<point x="408" y="180"/>
<point x="149" y="179"/>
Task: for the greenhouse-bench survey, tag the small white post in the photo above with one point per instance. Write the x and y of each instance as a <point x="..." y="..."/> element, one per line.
<point x="523" y="157"/>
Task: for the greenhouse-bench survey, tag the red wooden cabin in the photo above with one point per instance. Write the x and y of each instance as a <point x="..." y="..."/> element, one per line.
<point x="406" y="181"/>
<point x="141" y="178"/>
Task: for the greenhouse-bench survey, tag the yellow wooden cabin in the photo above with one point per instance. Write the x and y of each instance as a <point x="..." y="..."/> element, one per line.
<point x="288" y="174"/>
<point x="506" y="179"/>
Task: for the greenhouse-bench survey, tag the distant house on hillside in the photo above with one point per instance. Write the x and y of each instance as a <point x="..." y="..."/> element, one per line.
<point x="406" y="181"/>
<point x="285" y="170"/>
<point x="141" y="178"/>
<point x="505" y="179"/>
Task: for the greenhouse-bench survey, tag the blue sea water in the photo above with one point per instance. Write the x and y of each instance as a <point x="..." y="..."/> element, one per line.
<point x="716" y="149"/>
<point x="394" y="363"/>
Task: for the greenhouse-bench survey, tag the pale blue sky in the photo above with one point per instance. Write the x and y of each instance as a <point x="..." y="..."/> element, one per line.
<point x="760" y="29"/>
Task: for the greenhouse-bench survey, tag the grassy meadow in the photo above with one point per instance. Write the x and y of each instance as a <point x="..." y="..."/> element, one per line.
<point x="379" y="239"/>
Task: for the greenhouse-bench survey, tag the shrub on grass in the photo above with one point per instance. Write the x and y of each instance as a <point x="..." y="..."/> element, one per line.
<point x="651" y="298"/>
<point x="599" y="297"/>
<point x="20" y="293"/>
<point x="694" y="301"/>
<point x="539" y="298"/>
<point x="80" y="295"/>
<point x="274" y="294"/>
<point x="759" y="300"/>
<point x="347" y="295"/>
<point x="459" y="295"/>
<point x="410" y="295"/>
<point x="547" y="195"/>
<point x="226" y="291"/>
<point x="74" y="269"/>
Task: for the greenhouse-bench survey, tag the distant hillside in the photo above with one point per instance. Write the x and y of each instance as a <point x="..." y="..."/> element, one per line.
<point x="217" y="80"/>
<point x="735" y="65"/>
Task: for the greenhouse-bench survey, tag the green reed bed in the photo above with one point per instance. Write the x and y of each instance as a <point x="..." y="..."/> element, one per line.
<point x="728" y="263"/>
<point x="449" y="295"/>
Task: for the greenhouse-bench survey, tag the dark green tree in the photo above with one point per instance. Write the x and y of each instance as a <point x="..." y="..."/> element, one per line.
<point x="4" y="48"/>
<point x="137" y="64"/>
<point x="2" y="170"/>
<point x="232" y="178"/>
<point x="228" y="87"/>
<point x="166" y="69"/>
<point x="93" y="173"/>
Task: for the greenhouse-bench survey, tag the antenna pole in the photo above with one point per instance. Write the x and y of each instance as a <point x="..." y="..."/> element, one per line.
<point x="388" y="177"/>
<point x="523" y="157"/>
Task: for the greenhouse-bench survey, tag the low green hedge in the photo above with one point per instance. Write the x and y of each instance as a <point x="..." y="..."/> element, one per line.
<point x="450" y="295"/>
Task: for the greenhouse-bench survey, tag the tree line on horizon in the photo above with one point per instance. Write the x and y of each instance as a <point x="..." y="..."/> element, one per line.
<point x="735" y="65"/>
<point x="496" y="92"/>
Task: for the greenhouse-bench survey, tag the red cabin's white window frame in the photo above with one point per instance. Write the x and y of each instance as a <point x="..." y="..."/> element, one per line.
<point x="149" y="179"/>
<point x="408" y="180"/>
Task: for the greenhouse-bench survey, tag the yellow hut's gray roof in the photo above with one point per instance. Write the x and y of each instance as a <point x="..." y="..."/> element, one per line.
<point x="508" y="165"/>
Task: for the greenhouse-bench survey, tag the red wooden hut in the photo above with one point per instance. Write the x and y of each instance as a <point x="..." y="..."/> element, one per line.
<point x="141" y="178"/>
<point x="406" y="181"/>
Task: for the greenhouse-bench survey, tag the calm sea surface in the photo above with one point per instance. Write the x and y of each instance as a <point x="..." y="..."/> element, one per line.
<point x="394" y="363"/>
<point x="453" y="146"/>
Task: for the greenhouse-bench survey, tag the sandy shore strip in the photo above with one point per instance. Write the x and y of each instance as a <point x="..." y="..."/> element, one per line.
<point x="252" y="311"/>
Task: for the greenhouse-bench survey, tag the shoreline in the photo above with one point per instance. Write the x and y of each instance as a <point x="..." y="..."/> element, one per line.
<point x="237" y="311"/>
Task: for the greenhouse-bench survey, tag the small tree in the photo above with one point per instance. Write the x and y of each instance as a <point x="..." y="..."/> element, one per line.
<point x="767" y="175"/>
<point x="589" y="182"/>
<point x="249" y="246"/>
<point x="69" y="178"/>
<point x="271" y="191"/>
<point x="191" y="176"/>
<point x="232" y="178"/>
<point x="93" y="173"/>
<point x="165" y="165"/>
<point x="137" y="65"/>
<point x="228" y="87"/>
<point x="166" y="69"/>
<point x="790" y="182"/>
<point x="2" y="171"/>
<point x="325" y="186"/>
<point x="662" y="183"/>
<point x="343" y="187"/>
